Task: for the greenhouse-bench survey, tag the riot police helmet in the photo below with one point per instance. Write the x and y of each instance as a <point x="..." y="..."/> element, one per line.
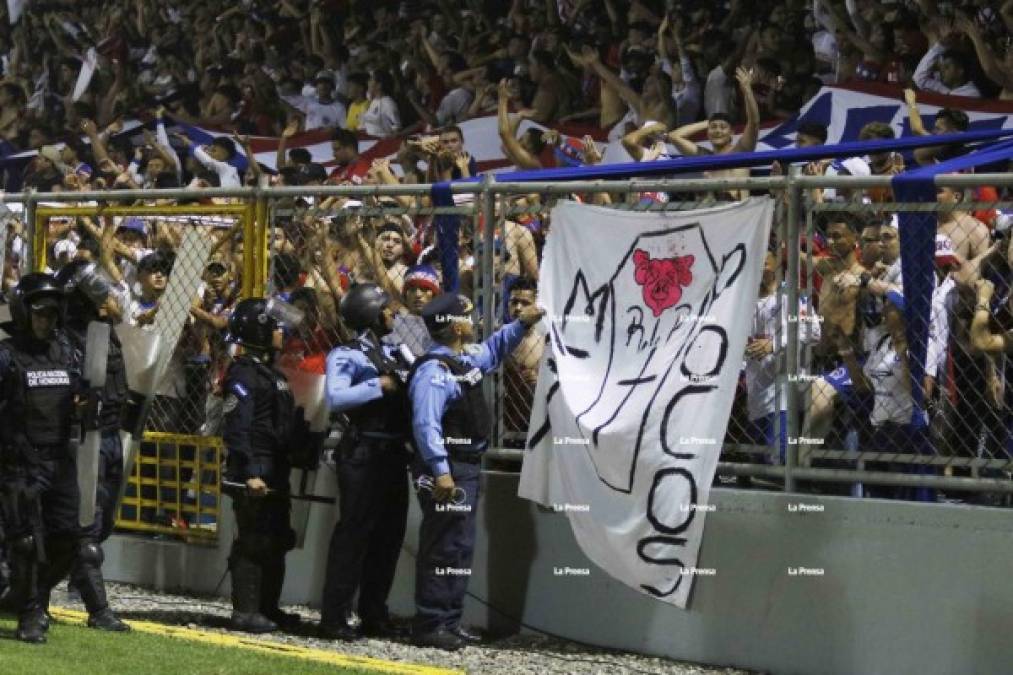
<point x="86" y="289"/>
<point x="251" y="325"/>
<point x="36" y="292"/>
<point x="362" y="306"/>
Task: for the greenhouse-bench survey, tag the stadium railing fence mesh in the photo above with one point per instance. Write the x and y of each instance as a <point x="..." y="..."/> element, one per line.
<point x="828" y="326"/>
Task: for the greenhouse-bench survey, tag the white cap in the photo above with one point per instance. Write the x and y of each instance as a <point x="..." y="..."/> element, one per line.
<point x="65" y="247"/>
<point x="852" y="166"/>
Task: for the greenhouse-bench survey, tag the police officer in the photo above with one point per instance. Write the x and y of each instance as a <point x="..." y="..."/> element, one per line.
<point x="258" y="413"/>
<point x="39" y="374"/>
<point x="365" y="380"/>
<point x="87" y="293"/>
<point x="450" y="424"/>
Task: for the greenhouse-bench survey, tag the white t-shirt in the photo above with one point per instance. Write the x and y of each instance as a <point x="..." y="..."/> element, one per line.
<point x="381" y="117"/>
<point x="943" y="296"/>
<point x="927" y="80"/>
<point x="318" y="115"/>
<point x="228" y="176"/>
<point x="770" y="318"/>
<point x="173" y="382"/>
<point x="890" y="386"/>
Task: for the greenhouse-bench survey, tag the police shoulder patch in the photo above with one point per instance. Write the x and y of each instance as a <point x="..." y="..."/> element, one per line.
<point x="239" y="390"/>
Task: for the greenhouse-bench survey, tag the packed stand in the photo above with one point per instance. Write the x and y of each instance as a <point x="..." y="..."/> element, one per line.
<point x="662" y="78"/>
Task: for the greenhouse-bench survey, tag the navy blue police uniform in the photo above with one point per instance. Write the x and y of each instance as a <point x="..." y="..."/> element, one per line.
<point x="87" y="290"/>
<point x="38" y="477"/>
<point x="258" y="416"/>
<point x="372" y="465"/>
<point x="450" y="422"/>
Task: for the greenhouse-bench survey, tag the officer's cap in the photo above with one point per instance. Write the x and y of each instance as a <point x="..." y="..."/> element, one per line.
<point x="44" y="302"/>
<point x="444" y="309"/>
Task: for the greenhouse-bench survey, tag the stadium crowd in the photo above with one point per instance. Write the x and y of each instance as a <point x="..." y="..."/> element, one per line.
<point x="386" y="68"/>
<point x="655" y="75"/>
<point x="691" y="76"/>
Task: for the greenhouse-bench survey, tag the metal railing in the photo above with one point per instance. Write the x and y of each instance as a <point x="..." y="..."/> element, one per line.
<point x="174" y="488"/>
<point x="299" y="222"/>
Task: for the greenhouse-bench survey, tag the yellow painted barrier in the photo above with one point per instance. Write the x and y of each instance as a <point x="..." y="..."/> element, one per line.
<point x="265" y="646"/>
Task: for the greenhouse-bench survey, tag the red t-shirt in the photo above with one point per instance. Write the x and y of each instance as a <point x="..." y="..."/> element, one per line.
<point x="353" y="172"/>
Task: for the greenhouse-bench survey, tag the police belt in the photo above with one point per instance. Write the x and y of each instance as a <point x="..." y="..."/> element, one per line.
<point x="465" y="457"/>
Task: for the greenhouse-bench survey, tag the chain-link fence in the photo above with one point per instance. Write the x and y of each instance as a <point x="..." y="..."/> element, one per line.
<point x="869" y="405"/>
<point x="320" y="247"/>
<point x="825" y="401"/>
<point x="176" y="272"/>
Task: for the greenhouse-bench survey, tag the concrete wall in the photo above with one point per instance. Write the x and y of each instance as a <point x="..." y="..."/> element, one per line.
<point x="905" y="588"/>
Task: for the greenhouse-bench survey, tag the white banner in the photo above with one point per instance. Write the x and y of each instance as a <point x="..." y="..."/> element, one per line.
<point x="648" y="315"/>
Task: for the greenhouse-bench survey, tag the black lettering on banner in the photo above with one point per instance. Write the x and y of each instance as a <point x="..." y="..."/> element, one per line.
<point x="547" y="424"/>
<point x="740" y="251"/>
<point x="642" y="553"/>
<point x="580" y="287"/>
<point x="696" y="357"/>
<point x="666" y="477"/>
<point x="653" y="341"/>
<point x="636" y="325"/>
<point x="682" y="313"/>
<point x="722" y="352"/>
<point x="691" y="390"/>
<point x="622" y="403"/>
<point x="659" y="541"/>
<point x="664" y="594"/>
<point x="576" y="352"/>
<point x="685" y="352"/>
<point x="557" y="340"/>
<point x="637" y="380"/>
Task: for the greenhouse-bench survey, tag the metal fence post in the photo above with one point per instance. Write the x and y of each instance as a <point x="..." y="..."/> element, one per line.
<point x="488" y="217"/>
<point x="32" y="234"/>
<point x="791" y="352"/>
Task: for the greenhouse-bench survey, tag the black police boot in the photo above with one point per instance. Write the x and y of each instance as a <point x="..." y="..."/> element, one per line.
<point x="339" y="631"/>
<point x="86" y="575"/>
<point x="441" y="638"/>
<point x="384" y="629"/>
<point x="272" y="579"/>
<point x="31" y="627"/>
<point x="246" y="614"/>
<point x="106" y="620"/>
<point x="467" y="636"/>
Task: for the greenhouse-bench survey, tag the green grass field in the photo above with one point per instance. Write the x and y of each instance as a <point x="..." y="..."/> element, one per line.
<point x="75" y="650"/>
